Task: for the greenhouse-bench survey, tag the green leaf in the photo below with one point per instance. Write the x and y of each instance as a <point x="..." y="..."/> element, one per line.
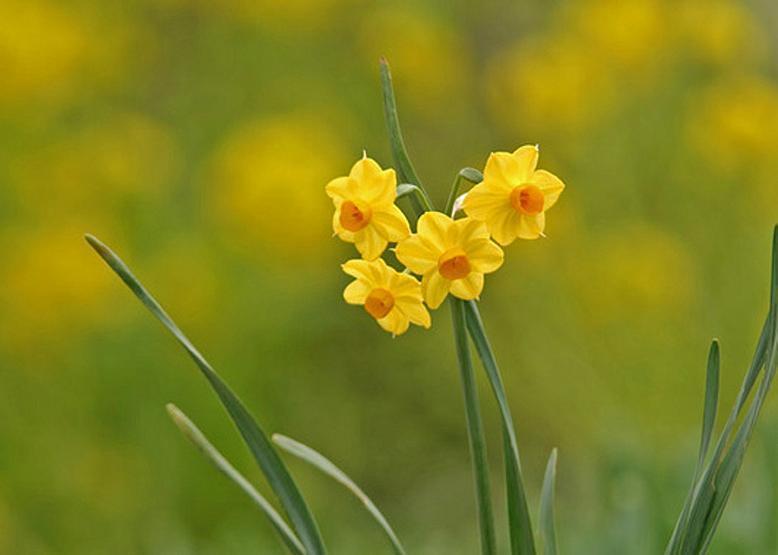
<point x="713" y="489"/>
<point x="194" y="435"/>
<point x="519" y="521"/>
<point x="708" y="421"/>
<point x="547" y="530"/>
<point x="271" y="465"/>
<point x="405" y="169"/>
<point x="475" y="430"/>
<point x="326" y="466"/>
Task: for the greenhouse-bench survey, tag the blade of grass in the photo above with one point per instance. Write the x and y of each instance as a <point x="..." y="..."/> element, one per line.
<point x="474" y="429"/>
<point x="547" y="529"/>
<point x="194" y="435"/>
<point x="519" y="521"/>
<point x="708" y="421"/>
<point x="268" y="460"/>
<point x="326" y="466"/>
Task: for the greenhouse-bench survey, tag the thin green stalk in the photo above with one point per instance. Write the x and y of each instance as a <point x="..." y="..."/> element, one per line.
<point x="416" y="195"/>
<point x="470" y="175"/>
<point x="519" y="521"/>
<point x="474" y="429"/>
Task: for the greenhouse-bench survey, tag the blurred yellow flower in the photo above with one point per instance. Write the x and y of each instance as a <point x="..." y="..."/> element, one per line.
<point x="514" y="196"/>
<point x="258" y="170"/>
<point x="365" y="213"/>
<point x="734" y="124"/>
<point x="41" y="45"/>
<point x="452" y="256"/>
<point x="392" y="298"/>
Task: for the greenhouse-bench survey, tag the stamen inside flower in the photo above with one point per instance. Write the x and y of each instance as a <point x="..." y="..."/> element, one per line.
<point x="453" y="264"/>
<point x="379" y="302"/>
<point x="354" y="216"/>
<point x="527" y="199"/>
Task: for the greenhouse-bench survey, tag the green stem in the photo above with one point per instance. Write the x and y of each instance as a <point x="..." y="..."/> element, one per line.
<point x="417" y="197"/>
<point x="475" y="430"/>
<point x="519" y="522"/>
<point x="470" y="175"/>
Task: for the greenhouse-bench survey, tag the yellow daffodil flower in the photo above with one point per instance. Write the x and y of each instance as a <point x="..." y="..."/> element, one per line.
<point x="451" y="255"/>
<point x="365" y="213"/>
<point x="392" y="298"/>
<point x="513" y="197"/>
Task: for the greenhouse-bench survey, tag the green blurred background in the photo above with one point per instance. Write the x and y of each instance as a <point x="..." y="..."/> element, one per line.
<point x="195" y="137"/>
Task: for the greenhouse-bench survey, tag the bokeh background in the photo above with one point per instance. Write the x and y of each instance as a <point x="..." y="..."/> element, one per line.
<point x="195" y="138"/>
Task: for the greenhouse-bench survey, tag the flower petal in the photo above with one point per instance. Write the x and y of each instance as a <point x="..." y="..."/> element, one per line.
<point x="396" y="322"/>
<point x="416" y="312"/>
<point x="551" y="186"/>
<point x="486" y="200"/>
<point x="469" y="230"/>
<point x="340" y="188"/>
<point x="391" y="223"/>
<point x="505" y="228"/>
<point x="502" y="168"/>
<point x="435" y="288"/>
<point x="469" y="287"/>
<point x="526" y="160"/>
<point x="417" y="254"/>
<point x="356" y="292"/>
<point x="374" y="185"/>
<point x="363" y="271"/>
<point x="531" y="227"/>
<point x="406" y="287"/>
<point x="369" y="243"/>
<point x="434" y="228"/>
<point x="485" y="257"/>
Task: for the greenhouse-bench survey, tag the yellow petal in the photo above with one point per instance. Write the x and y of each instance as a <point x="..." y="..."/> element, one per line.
<point x="505" y="227"/>
<point x="363" y="270"/>
<point x="435" y="288"/>
<point x="340" y="188"/>
<point x="356" y="292"/>
<point x="417" y="254"/>
<point x="416" y="312"/>
<point x="551" y="186"/>
<point x="469" y="230"/>
<point x="469" y="287"/>
<point x="526" y="160"/>
<point x="485" y="257"/>
<point x="503" y="170"/>
<point x="391" y="223"/>
<point x="434" y="227"/>
<point x="374" y="185"/>
<point x="531" y="227"/>
<point x="369" y="243"/>
<point x="485" y="200"/>
<point x="396" y="322"/>
<point x="406" y="287"/>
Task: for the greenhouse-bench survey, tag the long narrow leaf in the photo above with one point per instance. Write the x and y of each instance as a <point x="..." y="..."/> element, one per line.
<point x="475" y="432"/>
<point x="276" y="473"/>
<point x="708" y="421"/>
<point x="547" y="526"/>
<point x="519" y="521"/>
<point x="194" y="435"/>
<point x="326" y="466"/>
<point x="713" y="490"/>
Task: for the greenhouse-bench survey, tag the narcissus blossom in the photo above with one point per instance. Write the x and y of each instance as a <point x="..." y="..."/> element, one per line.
<point x="392" y="298"/>
<point x="451" y="255"/>
<point x="513" y="197"/>
<point x="365" y="213"/>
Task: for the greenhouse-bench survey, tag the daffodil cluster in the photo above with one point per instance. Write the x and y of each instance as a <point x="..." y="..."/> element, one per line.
<point x="450" y="255"/>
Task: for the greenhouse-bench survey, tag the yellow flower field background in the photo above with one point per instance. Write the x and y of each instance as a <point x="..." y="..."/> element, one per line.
<point x="197" y="137"/>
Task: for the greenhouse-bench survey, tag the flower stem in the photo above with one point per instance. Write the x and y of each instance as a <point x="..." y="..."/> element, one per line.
<point x="474" y="429"/>
<point x="465" y="174"/>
